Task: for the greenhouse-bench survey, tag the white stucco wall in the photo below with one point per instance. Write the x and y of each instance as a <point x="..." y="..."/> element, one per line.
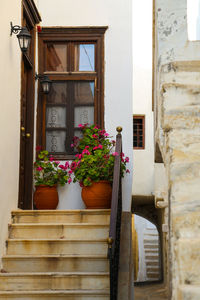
<point x="10" y="59"/>
<point x="117" y="15"/>
<point x="143" y="160"/>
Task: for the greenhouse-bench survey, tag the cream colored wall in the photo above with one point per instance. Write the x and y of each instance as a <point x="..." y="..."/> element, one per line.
<point x="117" y="15"/>
<point x="10" y="57"/>
<point x="143" y="160"/>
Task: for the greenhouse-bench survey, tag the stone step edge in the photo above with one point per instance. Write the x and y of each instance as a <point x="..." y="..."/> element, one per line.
<point x="13" y="240"/>
<point x="56" y="274"/>
<point x="13" y="225"/>
<point x="54" y="212"/>
<point x="75" y="256"/>
<point x="58" y="292"/>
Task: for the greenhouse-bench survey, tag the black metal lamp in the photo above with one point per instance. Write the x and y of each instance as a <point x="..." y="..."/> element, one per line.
<point x="45" y="82"/>
<point x="23" y="36"/>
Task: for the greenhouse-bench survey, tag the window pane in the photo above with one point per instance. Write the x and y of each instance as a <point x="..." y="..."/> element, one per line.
<point x="55" y="141"/>
<point x="85" y="57"/>
<point x="56" y="116"/>
<point x="84" y="92"/>
<point x="56" y="57"/>
<point x="58" y="93"/>
<point x="83" y="114"/>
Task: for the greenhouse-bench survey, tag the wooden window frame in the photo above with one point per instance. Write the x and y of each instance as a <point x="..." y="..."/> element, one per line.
<point x="74" y="35"/>
<point x="142" y="117"/>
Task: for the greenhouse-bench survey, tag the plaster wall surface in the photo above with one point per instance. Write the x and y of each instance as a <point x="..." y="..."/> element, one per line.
<point x="143" y="160"/>
<point x="118" y="70"/>
<point x="10" y="115"/>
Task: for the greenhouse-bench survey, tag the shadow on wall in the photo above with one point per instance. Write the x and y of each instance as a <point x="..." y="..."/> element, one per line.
<point x="146" y="250"/>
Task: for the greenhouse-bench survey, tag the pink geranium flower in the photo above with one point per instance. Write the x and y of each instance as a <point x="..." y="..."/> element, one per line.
<point x="127" y="159"/>
<point x="39" y="169"/>
<point x="69" y="180"/>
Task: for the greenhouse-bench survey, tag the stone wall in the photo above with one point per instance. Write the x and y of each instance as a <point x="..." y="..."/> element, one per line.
<point x="177" y="133"/>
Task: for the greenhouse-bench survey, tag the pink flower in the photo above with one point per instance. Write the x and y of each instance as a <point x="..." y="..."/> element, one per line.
<point x="72" y="145"/>
<point x="127" y="159"/>
<point x="70" y="172"/>
<point x="96" y="127"/>
<point x="98" y="147"/>
<point x="127" y="171"/>
<point x="115" y="153"/>
<point x="85" y="151"/>
<point x="94" y="136"/>
<point x="57" y="162"/>
<point x="122" y="154"/>
<point x="87" y="147"/>
<point x="69" y="180"/>
<point x="81" y="184"/>
<point x="39" y="169"/>
<point x="80" y="125"/>
<point x="67" y="164"/>
<point x="62" y="167"/>
<point x="51" y="158"/>
<point x="106" y="134"/>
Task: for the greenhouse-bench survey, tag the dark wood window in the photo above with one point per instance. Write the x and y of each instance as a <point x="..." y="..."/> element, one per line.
<point x="73" y="58"/>
<point x="138" y="132"/>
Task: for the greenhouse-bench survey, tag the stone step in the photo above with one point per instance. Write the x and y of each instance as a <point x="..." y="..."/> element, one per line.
<point x="151" y="241"/>
<point x="152" y="263"/>
<point x="153" y="270"/>
<point x="60" y="231"/>
<point x="55" y="263"/>
<point x="152" y="257"/>
<point x="53" y="281"/>
<point x="153" y="276"/>
<point x="62" y="216"/>
<point x="153" y="247"/>
<point x="62" y="246"/>
<point x="54" y="295"/>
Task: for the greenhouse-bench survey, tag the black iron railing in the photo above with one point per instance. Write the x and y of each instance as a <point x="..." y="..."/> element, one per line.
<point x="115" y="220"/>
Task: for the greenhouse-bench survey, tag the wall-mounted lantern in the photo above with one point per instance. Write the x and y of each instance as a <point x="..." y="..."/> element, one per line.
<point x="23" y="36"/>
<point x="45" y="82"/>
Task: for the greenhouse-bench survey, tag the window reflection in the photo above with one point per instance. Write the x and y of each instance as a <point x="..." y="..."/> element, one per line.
<point x="56" y="57"/>
<point x="85" y="57"/>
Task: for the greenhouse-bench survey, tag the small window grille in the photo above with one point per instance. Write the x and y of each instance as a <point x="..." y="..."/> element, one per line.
<point x="138" y="132"/>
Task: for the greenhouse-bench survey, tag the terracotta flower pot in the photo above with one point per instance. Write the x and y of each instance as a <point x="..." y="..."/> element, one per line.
<point x="98" y="195"/>
<point x="46" y="197"/>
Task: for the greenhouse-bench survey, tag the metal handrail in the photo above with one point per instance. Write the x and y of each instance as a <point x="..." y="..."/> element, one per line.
<point x="115" y="220"/>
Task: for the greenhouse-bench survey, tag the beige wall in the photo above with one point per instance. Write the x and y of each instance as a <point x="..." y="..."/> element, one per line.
<point x="10" y="57"/>
<point x="143" y="160"/>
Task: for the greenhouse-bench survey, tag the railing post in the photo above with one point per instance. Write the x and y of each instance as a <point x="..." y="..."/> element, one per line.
<point x="115" y="219"/>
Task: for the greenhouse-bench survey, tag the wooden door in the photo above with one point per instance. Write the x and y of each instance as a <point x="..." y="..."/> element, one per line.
<point x="30" y="19"/>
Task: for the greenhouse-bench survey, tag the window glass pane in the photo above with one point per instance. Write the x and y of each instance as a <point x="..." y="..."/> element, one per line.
<point x="85" y="57"/>
<point x="55" y="141"/>
<point x="58" y="93"/>
<point x="84" y="92"/>
<point x="83" y="114"/>
<point x="55" y="116"/>
<point x="56" y="57"/>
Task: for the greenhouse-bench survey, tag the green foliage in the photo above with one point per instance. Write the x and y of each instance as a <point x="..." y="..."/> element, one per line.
<point x="95" y="160"/>
<point x="49" y="172"/>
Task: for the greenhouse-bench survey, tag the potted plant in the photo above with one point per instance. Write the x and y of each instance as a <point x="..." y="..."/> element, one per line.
<point x="94" y="165"/>
<point x="48" y="173"/>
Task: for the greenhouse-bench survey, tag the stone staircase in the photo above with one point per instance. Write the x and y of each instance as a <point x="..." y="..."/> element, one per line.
<point x="56" y="255"/>
<point x="151" y="247"/>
